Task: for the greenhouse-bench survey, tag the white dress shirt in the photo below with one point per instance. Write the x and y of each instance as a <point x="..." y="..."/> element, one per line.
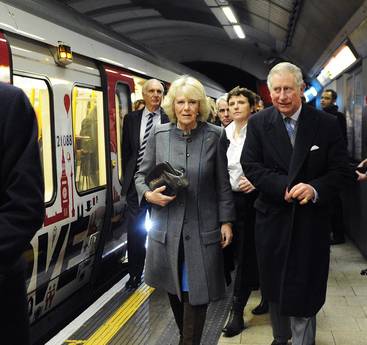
<point x="144" y="120"/>
<point x="234" y="154"/>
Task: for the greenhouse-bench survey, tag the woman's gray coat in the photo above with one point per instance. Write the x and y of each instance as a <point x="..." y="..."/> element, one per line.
<point x="194" y="217"/>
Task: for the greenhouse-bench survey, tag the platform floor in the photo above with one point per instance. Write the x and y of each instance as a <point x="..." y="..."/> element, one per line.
<point x="143" y="317"/>
<point x="342" y="320"/>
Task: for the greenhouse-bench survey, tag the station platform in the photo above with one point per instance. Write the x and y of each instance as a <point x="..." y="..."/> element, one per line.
<point x="143" y="316"/>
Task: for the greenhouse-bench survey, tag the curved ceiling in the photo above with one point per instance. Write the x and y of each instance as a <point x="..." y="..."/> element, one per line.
<point x="188" y="31"/>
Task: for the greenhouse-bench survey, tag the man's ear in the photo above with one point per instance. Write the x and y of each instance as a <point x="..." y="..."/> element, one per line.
<point x="303" y="86"/>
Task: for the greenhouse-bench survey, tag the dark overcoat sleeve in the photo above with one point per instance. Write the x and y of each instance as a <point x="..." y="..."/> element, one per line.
<point x="21" y="180"/>
<point x="273" y="182"/>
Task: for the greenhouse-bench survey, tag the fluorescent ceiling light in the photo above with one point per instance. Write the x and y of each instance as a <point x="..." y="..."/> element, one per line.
<point x="239" y="32"/>
<point x="337" y="64"/>
<point x="310" y="94"/>
<point x="229" y="14"/>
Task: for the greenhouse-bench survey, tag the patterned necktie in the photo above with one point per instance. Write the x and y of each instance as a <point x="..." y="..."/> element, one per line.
<point x="145" y="139"/>
<point x="290" y="129"/>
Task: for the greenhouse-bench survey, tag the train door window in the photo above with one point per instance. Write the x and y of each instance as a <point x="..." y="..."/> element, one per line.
<point x="122" y="95"/>
<point x="38" y="93"/>
<point x="89" y="138"/>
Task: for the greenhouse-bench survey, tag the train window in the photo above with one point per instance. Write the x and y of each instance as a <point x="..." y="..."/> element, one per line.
<point x="122" y="95"/>
<point x="89" y="138"/>
<point x="39" y="96"/>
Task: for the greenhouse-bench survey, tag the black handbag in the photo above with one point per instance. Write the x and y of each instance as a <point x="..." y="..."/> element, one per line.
<point x="164" y="174"/>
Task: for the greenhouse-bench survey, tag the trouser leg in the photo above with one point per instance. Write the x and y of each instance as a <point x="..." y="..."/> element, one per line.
<point x="14" y="322"/>
<point x="178" y="311"/>
<point x="193" y="322"/>
<point x="136" y="234"/>
<point x="280" y="324"/>
<point x="303" y="330"/>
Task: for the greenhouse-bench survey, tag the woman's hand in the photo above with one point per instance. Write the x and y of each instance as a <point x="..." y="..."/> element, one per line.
<point x="245" y="185"/>
<point x="156" y="197"/>
<point x="227" y="235"/>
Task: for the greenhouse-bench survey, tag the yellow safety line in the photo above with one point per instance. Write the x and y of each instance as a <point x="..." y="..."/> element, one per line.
<point x="109" y="329"/>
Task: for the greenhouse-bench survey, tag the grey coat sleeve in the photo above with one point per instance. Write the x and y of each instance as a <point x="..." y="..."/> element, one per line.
<point x="146" y="166"/>
<point x="226" y="209"/>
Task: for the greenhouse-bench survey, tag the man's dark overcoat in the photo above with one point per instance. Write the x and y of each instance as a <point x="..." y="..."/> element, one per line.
<point x="292" y="241"/>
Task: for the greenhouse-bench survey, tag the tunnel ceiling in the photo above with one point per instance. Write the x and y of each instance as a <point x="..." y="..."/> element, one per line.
<point x="187" y="31"/>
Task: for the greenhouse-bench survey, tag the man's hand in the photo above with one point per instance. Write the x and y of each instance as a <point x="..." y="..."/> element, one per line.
<point x="227" y="234"/>
<point x="245" y="185"/>
<point x="361" y="176"/>
<point x="302" y="192"/>
<point x="156" y="197"/>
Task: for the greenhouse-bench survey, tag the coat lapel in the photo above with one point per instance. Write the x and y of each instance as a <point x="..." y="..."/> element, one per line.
<point x="306" y="131"/>
<point x="136" y="134"/>
<point x="279" y="138"/>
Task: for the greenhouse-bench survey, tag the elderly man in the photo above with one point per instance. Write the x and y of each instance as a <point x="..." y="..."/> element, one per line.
<point x="296" y="158"/>
<point x="223" y="111"/>
<point x="136" y="129"/>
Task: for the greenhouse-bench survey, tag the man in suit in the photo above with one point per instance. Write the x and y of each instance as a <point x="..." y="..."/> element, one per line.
<point x="136" y="128"/>
<point x="296" y="158"/>
<point x="328" y="100"/>
<point x="21" y="208"/>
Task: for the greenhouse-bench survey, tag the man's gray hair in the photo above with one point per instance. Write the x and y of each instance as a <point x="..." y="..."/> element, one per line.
<point x="221" y="98"/>
<point x="286" y="67"/>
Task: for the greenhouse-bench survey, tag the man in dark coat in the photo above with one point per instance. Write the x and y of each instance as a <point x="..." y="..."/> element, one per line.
<point x="21" y="208"/>
<point x="328" y="100"/>
<point x="136" y="128"/>
<point x="295" y="156"/>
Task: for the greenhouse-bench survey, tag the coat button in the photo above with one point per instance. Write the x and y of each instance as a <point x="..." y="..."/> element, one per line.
<point x="189" y="140"/>
<point x="187" y="237"/>
<point x="187" y="154"/>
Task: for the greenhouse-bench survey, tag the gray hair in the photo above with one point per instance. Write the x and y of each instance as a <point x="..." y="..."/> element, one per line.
<point x="286" y="67"/>
<point x="148" y="82"/>
<point x="221" y="98"/>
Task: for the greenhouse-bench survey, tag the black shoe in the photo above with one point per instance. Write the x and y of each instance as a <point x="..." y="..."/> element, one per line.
<point x="337" y="240"/>
<point x="133" y="283"/>
<point x="262" y="308"/>
<point x="235" y="324"/>
<point x="277" y="343"/>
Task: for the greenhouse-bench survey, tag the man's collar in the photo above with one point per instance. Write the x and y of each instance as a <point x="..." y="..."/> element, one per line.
<point x="146" y="112"/>
<point x="295" y="116"/>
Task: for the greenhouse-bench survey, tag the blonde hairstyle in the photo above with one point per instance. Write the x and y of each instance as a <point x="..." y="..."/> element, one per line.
<point x="286" y="67"/>
<point x="212" y="110"/>
<point x="191" y="88"/>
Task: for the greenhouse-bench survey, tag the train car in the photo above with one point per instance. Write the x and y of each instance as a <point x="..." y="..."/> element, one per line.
<point x="81" y="92"/>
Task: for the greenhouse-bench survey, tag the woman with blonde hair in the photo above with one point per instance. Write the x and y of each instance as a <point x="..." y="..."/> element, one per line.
<point x="189" y="230"/>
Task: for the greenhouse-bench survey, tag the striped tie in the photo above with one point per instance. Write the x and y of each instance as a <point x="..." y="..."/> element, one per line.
<point x="145" y="139"/>
<point x="290" y="129"/>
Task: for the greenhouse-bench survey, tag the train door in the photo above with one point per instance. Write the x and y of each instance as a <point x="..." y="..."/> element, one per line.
<point x="69" y="105"/>
<point x="119" y="85"/>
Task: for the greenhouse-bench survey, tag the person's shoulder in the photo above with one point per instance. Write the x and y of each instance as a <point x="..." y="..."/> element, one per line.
<point x="210" y="127"/>
<point x="163" y="127"/>
<point x="8" y="90"/>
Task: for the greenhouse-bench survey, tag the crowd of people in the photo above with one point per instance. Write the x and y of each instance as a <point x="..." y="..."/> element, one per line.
<point x="263" y="189"/>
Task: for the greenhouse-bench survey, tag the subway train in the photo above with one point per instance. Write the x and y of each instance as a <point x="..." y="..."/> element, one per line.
<point x="81" y="89"/>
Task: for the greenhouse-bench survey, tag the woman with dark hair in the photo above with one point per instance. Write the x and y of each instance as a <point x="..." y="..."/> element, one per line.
<point x="189" y="230"/>
<point x="241" y="103"/>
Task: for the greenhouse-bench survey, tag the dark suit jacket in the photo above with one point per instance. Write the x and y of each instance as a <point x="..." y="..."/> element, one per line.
<point x="292" y="241"/>
<point x="21" y="178"/>
<point x="131" y="145"/>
